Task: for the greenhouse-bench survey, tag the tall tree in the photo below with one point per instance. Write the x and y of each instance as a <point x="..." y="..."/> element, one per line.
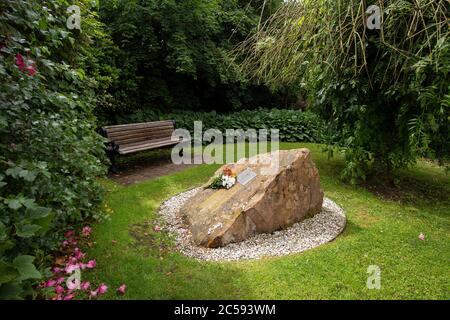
<point x="385" y="92"/>
<point x="174" y="55"/>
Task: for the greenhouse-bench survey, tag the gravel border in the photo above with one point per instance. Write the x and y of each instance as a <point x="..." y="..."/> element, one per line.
<point x="307" y="234"/>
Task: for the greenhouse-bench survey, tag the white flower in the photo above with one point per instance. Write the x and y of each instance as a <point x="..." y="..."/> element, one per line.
<point x="228" y="181"/>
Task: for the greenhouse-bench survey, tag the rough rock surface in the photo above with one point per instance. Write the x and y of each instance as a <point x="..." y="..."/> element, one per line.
<point x="304" y="235"/>
<point x="285" y="191"/>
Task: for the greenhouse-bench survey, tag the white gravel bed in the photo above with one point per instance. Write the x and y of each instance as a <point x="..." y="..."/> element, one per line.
<point x="309" y="233"/>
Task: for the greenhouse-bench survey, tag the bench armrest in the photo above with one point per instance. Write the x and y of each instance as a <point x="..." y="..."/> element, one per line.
<point x="110" y="146"/>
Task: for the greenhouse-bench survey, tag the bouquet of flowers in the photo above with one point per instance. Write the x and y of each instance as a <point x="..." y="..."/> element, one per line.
<point x="224" y="181"/>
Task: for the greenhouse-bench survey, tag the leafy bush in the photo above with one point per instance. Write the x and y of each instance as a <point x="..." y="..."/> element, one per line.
<point x="50" y="154"/>
<point x="386" y="91"/>
<point x="173" y="55"/>
<point x="293" y="125"/>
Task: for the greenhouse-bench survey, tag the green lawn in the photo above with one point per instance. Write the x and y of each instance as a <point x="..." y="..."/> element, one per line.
<point x="379" y="232"/>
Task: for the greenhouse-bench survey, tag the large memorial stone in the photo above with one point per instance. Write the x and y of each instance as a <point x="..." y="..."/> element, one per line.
<point x="275" y="191"/>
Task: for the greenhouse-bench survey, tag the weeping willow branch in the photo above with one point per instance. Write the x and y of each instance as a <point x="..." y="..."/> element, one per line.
<point x="332" y="34"/>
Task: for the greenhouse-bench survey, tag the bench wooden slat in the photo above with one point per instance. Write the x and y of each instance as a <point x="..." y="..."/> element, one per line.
<point x="133" y="126"/>
<point x="141" y="140"/>
<point x="144" y="137"/>
<point x="149" y="134"/>
<point x="121" y="134"/>
<point x="137" y="143"/>
<point x="147" y="146"/>
<point x="140" y="124"/>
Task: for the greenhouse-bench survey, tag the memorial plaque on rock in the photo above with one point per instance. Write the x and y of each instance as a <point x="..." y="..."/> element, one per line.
<point x="246" y="176"/>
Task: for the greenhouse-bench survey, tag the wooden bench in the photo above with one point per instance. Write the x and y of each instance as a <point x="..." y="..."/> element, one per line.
<point x="130" y="138"/>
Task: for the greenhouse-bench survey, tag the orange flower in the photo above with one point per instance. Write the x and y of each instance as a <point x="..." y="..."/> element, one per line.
<point x="227" y="171"/>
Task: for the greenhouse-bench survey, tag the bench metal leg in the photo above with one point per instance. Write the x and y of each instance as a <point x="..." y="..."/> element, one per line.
<point x="112" y="158"/>
<point x="112" y="152"/>
<point x="113" y="167"/>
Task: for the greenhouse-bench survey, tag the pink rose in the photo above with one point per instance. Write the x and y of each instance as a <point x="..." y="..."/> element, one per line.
<point x="91" y="264"/>
<point x="31" y="70"/>
<point x="86" y="231"/>
<point x="69" y="297"/>
<point x="50" y="283"/>
<point x="94" y="294"/>
<point x="59" y="289"/>
<point x="69" y="234"/>
<point x="78" y="254"/>
<point x="57" y="270"/>
<point x="102" y="288"/>
<point x="20" y="62"/>
<point x="122" y="289"/>
<point x="71" y="268"/>
<point x="73" y="260"/>
<point x="29" y="66"/>
<point x="85" y="285"/>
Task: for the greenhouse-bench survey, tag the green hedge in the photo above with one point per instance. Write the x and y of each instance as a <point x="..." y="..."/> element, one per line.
<point x="294" y="126"/>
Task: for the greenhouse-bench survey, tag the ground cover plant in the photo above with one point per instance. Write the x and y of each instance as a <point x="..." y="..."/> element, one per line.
<point x="293" y="125"/>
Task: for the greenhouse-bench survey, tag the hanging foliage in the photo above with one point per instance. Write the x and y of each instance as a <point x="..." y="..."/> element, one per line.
<point x="385" y="91"/>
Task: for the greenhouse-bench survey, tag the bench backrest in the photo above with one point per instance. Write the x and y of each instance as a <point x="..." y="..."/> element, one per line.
<point x="135" y="133"/>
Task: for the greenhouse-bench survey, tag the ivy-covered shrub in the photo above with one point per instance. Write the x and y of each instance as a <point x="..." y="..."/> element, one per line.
<point x="293" y="125"/>
<point x="50" y="154"/>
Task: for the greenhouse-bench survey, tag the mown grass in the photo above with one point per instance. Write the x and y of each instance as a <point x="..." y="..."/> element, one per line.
<point x="380" y="231"/>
